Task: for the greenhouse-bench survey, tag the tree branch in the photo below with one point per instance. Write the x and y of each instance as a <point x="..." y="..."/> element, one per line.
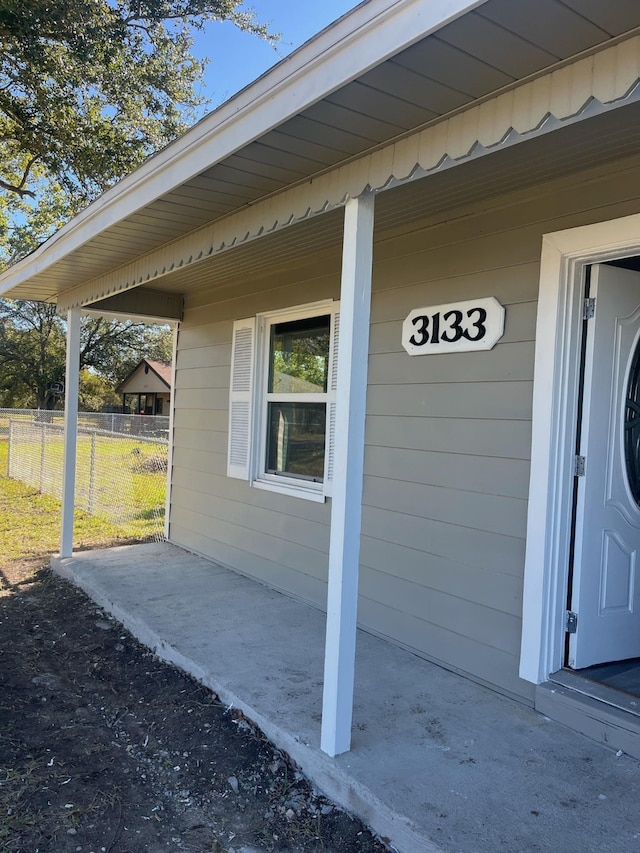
<point x="20" y="189"/>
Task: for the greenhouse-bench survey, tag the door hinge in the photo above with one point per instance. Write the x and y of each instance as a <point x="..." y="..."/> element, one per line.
<point x="571" y="622"/>
<point x="578" y="466"/>
<point x="588" y="308"/>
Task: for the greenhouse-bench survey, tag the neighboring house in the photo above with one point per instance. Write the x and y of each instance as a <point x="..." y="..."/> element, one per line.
<point x="147" y="389"/>
<point x="450" y="186"/>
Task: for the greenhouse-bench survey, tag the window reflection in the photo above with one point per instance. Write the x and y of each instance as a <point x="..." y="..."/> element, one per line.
<point x="299" y="356"/>
<point x="295" y="440"/>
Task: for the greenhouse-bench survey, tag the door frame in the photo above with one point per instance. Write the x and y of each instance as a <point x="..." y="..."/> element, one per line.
<point x="565" y="254"/>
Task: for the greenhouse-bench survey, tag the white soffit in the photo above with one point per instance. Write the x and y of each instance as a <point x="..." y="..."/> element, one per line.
<point x="343" y="51"/>
<point x="361" y="86"/>
<point x="589" y="88"/>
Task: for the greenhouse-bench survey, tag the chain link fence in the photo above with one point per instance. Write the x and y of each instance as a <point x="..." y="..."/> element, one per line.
<point x="149" y="426"/>
<point x="119" y="477"/>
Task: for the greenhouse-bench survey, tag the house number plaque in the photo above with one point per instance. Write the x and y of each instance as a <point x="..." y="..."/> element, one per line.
<point x="456" y="327"/>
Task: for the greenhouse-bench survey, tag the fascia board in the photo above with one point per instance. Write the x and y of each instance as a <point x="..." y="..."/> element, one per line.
<point x="357" y="42"/>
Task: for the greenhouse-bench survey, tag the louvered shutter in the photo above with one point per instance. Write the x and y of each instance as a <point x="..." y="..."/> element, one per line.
<point x="331" y="407"/>
<point x="241" y="399"/>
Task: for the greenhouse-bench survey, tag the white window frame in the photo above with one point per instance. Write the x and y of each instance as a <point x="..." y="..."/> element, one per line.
<point x="256" y="471"/>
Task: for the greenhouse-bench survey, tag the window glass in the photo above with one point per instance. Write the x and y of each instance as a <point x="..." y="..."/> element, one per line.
<point x="299" y="356"/>
<point x="632" y="426"/>
<point x="295" y="439"/>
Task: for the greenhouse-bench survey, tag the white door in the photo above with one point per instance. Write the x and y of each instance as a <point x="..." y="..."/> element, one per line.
<point x="606" y="586"/>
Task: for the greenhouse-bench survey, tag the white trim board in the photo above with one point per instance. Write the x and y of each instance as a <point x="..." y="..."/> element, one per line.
<point x="565" y="254"/>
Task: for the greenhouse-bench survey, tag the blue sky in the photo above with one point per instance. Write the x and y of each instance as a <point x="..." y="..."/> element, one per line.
<point x="237" y="58"/>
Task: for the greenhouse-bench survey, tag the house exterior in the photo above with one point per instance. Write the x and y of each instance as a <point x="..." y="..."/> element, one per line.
<point x="147" y="389"/>
<point x="395" y="397"/>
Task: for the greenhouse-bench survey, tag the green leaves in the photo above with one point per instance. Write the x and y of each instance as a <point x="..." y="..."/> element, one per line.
<point x="90" y="89"/>
<point x="32" y="351"/>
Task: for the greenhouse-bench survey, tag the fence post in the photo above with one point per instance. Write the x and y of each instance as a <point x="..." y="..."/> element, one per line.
<point x="9" y="460"/>
<point x="43" y="427"/>
<point x="92" y="474"/>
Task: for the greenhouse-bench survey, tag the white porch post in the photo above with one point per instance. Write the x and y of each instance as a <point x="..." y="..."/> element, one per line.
<point x="174" y="363"/>
<point x="72" y="377"/>
<point x="346" y="509"/>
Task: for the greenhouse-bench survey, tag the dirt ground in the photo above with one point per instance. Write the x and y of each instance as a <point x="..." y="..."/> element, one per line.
<point x="105" y="748"/>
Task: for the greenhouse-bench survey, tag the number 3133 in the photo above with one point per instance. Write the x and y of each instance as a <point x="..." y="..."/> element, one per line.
<point x="449" y="327"/>
<point x="454" y="328"/>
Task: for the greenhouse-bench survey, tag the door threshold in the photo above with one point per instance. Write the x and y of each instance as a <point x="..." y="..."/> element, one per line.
<point x="596" y="690"/>
<point x="570" y="699"/>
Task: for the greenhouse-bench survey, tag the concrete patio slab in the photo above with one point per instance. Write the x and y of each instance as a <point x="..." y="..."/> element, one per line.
<point x="438" y="763"/>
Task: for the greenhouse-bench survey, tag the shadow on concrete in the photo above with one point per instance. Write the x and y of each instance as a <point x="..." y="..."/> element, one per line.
<point x="438" y="763"/>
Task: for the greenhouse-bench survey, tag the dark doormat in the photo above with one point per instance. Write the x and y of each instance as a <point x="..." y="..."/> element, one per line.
<point x="622" y="675"/>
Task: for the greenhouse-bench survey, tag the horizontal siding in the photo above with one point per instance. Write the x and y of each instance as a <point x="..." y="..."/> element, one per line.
<point x="455" y="399"/>
<point x="485" y="587"/>
<point x="209" y="483"/>
<point x="486" y="512"/>
<point x="512" y="285"/>
<point x="493" y="628"/>
<point x="462" y="653"/>
<point x="454" y="470"/>
<point x="447" y="436"/>
<point x="214" y="336"/>
<point x="488" y="437"/>
<point x="258" y="567"/>
<point x="204" y="356"/>
<point x="483" y="259"/>
<point x="194" y="378"/>
<point x="274" y="538"/>
<point x="191" y="439"/>
<point x="510" y="361"/>
<point x="204" y="320"/>
<point x="288" y="554"/>
<point x="480" y="548"/>
<point x="204" y="461"/>
<point x="448" y="443"/>
<point x="194" y="398"/>
<point x="259" y="519"/>
<point x="201" y="419"/>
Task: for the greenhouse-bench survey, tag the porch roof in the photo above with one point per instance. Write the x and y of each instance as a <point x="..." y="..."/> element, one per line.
<point x="438" y="763"/>
<point x="366" y="83"/>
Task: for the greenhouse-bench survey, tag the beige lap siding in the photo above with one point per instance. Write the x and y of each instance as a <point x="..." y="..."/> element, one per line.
<point x="447" y="436"/>
<point x="280" y="540"/>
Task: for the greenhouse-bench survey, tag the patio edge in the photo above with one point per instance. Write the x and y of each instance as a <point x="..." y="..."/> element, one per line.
<point x="325" y="773"/>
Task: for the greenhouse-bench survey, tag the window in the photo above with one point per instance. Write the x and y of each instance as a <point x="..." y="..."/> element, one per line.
<point x="282" y="400"/>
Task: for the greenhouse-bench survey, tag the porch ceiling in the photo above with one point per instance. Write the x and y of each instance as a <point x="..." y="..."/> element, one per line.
<point x="487" y="49"/>
<point x="531" y="163"/>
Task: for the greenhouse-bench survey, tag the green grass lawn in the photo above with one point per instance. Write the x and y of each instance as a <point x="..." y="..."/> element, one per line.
<point x="30" y="521"/>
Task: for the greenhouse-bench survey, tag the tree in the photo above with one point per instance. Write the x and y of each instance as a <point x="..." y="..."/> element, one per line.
<point x="95" y="393"/>
<point x="32" y="352"/>
<point x="88" y="90"/>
